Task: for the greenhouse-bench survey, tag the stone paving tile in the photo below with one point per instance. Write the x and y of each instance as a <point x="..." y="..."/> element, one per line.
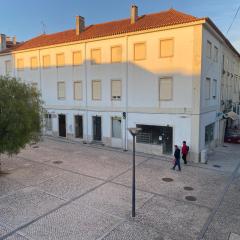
<point x="8" y="185"/>
<point x="113" y="199"/>
<point x="34" y="174"/>
<point x="133" y="230"/>
<point x="149" y="178"/>
<point x="69" y="185"/>
<point x="227" y="218"/>
<point x="71" y="222"/>
<point x="234" y="236"/>
<point x="25" y="205"/>
<point x="12" y="163"/>
<point x="161" y="218"/>
<point x="17" y="237"/>
<point x="3" y="230"/>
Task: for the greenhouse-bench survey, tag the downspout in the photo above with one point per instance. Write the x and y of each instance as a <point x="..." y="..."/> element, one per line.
<point x="86" y="89"/>
<point x="126" y="102"/>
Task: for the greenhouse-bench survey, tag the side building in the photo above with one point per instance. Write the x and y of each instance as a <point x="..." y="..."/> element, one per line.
<point x="162" y="72"/>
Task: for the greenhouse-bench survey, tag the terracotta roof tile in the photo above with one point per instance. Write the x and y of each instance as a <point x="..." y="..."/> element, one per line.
<point x="161" y="19"/>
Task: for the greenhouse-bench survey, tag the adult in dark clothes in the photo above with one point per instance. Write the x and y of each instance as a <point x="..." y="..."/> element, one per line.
<point x="177" y="158"/>
<point x="184" y="152"/>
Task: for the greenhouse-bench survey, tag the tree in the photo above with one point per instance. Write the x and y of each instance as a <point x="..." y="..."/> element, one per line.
<point x="20" y="115"/>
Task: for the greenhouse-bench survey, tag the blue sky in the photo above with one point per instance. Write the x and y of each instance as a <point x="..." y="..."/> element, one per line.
<point x="23" y="17"/>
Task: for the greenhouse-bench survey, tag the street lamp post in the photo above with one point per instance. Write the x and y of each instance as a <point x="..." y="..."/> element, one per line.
<point x="134" y="132"/>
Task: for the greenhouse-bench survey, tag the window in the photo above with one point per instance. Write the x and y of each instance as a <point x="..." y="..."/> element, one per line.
<point x="48" y="122"/>
<point x="8" y="67"/>
<point x="215" y="58"/>
<point x="96" y="90"/>
<point x="139" y="51"/>
<point x="116" y="54"/>
<point x="60" y="60"/>
<point x="61" y="90"/>
<point x="46" y="61"/>
<point x="166" y="48"/>
<point x="77" y="90"/>
<point x="116" y="127"/>
<point x="20" y="64"/>
<point x="214" y="90"/>
<point x="116" y="87"/>
<point x="165" y="88"/>
<point x="34" y="62"/>
<point x="207" y="88"/>
<point x="209" y="133"/>
<point x="77" y="58"/>
<point x="96" y="56"/>
<point x="209" y="49"/>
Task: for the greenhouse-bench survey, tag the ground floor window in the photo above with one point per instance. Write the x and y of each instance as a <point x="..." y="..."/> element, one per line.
<point x="156" y="135"/>
<point x="116" y="127"/>
<point x="209" y="133"/>
<point x="48" y="122"/>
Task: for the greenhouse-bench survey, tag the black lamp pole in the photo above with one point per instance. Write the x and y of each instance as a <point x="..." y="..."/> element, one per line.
<point x="133" y="180"/>
<point x="134" y="132"/>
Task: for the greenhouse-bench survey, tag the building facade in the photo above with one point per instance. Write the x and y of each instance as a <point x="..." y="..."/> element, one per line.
<point x="168" y="73"/>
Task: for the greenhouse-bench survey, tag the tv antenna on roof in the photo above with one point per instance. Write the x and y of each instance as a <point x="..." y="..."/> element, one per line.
<point x="43" y="27"/>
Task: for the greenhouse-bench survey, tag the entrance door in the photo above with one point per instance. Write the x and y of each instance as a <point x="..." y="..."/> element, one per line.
<point x="78" y="127"/>
<point x="97" y="128"/>
<point x="167" y="140"/>
<point x="62" y="125"/>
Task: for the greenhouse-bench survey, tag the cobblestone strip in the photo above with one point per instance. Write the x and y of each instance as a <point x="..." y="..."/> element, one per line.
<point x="66" y="203"/>
<point x="219" y="202"/>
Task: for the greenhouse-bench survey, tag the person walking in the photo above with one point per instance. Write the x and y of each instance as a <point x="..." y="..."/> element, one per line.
<point x="177" y="158"/>
<point x="184" y="152"/>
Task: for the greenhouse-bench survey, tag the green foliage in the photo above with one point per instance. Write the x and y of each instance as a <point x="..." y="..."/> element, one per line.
<point x="20" y="115"/>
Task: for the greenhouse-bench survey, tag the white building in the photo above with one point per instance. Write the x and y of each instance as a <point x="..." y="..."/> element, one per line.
<point x="162" y="72"/>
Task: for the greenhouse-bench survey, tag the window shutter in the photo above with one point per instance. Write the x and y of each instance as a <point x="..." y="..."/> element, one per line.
<point x="77" y="58"/>
<point x="166" y="48"/>
<point x="96" y="90"/>
<point x="34" y="62"/>
<point x="61" y="90"/>
<point x="96" y="56"/>
<point x="60" y="60"/>
<point x="139" y="51"/>
<point x="165" y="91"/>
<point x="116" y="54"/>
<point x="77" y="90"/>
<point x="46" y="61"/>
<point x="116" y="89"/>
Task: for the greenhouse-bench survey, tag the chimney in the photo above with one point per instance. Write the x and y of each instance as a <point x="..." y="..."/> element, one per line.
<point x="80" y="24"/>
<point x="14" y="40"/>
<point x="134" y="14"/>
<point x="3" y="44"/>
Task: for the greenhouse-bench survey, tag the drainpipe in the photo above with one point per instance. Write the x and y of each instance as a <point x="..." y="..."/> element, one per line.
<point x="126" y="102"/>
<point x="86" y="89"/>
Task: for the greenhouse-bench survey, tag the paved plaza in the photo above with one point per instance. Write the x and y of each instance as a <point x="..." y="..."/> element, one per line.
<point x="57" y="190"/>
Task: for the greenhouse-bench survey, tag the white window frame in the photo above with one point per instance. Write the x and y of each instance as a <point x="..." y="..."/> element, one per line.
<point x="214" y="88"/>
<point x="44" y="57"/>
<point x="58" y="65"/>
<point x="134" y="51"/>
<point x="160" y="52"/>
<point x="93" y="62"/>
<point x="20" y="68"/>
<point x="116" y="98"/>
<point x="74" y="91"/>
<point x="159" y="88"/>
<point x="93" y="97"/>
<point x="119" y="60"/>
<point x="8" y="67"/>
<point x="58" y="88"/>
<point x="209" y="54"/>
<point x="207" y="90"/>
<point x="81" y="59"/>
